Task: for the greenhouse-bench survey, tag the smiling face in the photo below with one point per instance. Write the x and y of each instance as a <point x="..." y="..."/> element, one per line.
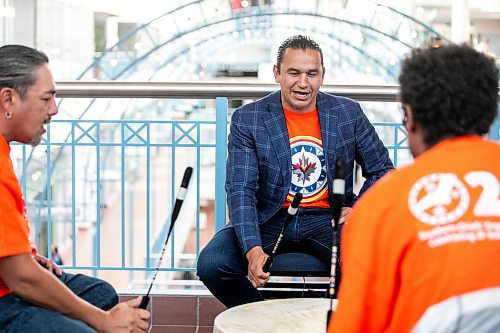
<point x="300" y="76"/>
<point x="35" y="109"/>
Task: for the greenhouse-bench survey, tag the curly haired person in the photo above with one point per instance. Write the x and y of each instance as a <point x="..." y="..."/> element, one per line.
<point x="421" y="249"/>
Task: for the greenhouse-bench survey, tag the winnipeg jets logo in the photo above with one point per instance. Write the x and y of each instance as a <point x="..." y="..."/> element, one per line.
<point x="303" y="169"/>
<point x="438" y="199"/>
<point x="308" y="167"/>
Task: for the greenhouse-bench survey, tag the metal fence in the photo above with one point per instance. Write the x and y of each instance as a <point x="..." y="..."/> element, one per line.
<point x="102" y="182"/>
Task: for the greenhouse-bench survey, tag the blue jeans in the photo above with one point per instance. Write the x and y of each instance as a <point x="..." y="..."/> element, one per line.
<point x="17" y="315"/>
<point x="223" y="268"/>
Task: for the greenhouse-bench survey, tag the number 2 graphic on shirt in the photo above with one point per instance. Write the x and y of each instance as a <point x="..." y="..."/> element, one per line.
<point x="488" y="203"/>
<point x="442" y="198"/>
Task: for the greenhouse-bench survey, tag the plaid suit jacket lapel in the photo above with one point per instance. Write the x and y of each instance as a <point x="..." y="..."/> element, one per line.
<point x="275" y="123"/>
<point x="328" y="121"/>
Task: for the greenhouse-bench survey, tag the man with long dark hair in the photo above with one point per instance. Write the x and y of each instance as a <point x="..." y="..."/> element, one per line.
<point x="35" y="294"/>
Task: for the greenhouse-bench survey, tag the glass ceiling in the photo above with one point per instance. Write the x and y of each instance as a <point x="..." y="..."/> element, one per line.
<point x="362" y="42"/>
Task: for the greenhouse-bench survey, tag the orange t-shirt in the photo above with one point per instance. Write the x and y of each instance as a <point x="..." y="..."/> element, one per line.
<point x="14" y="227"/>
<point x="420" y="236"/>
<point x="308" y="159"/>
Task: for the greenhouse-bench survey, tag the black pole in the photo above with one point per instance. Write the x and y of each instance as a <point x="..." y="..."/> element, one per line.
<point x="338" y="201"/>
<point x="290" y="213"/>
<point x="175" y="213"/>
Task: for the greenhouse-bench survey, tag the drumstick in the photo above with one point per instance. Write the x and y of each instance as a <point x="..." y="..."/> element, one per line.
<point x="290" y="213"/>
<point x="175" y="212"/>
<point x="338" y="200"/>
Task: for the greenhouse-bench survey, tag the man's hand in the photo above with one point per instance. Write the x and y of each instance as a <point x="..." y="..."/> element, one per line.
<point x="48" y="264"/>
<point x="256" y="259"/>
<point x="126" y="317"/>
<point x="344" y="214"/>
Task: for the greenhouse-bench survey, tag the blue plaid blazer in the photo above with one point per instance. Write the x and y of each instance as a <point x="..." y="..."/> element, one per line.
<point x="259" y="166"/>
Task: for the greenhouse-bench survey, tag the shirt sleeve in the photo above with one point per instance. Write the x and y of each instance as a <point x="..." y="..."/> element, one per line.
<point x="13" y="226"/>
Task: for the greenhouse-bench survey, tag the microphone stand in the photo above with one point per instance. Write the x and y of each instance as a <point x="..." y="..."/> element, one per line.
<point x="338" y="200"/>
<point x="175" y="213"/>
<point x="292" y="210"/>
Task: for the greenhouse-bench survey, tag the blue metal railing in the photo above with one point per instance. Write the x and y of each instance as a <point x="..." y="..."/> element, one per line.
<point x="115" y="179"/>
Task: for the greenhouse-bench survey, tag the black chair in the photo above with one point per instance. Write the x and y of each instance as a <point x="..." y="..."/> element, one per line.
<point x="296" y="265"/>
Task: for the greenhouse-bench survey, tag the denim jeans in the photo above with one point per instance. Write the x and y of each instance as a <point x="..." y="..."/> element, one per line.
<point x="17" y="315"/>
<point x="223" y="268"/>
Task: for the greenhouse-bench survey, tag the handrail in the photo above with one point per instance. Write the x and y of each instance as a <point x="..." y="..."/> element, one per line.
<point x="210" y="90"/>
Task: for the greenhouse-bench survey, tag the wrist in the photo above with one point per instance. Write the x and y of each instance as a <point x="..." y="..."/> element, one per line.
<point x="256" y="250"/>
<point x="99" y="322"/>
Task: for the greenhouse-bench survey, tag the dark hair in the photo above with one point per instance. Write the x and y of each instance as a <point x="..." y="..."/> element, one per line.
<point x="17" y="67"/>
<point x="452" y="90"/>
<point x="298" y="42"/>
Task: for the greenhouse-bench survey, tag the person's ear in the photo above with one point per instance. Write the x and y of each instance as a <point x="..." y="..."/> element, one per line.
<point x="410" y="120"/>
<point x="6" y="95"/>
<point x="277" y="75"/>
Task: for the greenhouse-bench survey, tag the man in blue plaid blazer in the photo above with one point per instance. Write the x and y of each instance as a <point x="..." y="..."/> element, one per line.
<point x="264" y="164"/>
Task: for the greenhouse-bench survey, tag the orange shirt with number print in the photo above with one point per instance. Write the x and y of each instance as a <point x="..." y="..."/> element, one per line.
<point x="421" y="236"/>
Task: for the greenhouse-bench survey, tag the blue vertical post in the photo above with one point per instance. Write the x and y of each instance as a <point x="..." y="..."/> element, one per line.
<point x="123" y="187"/>
<point x="98" y="198"/>
<point x="221" y="108"/>
<point x="148" y="189"/>
<point x="48" y="189"/>
<point x="495" y="128"/>
<point x="73" y="193"/>
<point x="396" y="145"/>
<point x="131" y="233"/>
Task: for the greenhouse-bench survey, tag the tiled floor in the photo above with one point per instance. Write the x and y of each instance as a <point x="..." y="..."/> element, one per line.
<point x="183" y="314"/>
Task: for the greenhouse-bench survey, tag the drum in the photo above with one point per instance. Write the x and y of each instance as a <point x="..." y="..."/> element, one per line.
<point x="276" y="316"/>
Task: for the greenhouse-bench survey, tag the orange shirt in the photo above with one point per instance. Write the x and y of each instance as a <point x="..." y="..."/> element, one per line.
<point x="308" y="159"/>
<point x="14" y="228"/>
<point x="421" y="235"/>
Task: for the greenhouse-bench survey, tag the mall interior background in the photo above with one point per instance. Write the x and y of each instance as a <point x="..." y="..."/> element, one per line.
<point x="228" y="41"/>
